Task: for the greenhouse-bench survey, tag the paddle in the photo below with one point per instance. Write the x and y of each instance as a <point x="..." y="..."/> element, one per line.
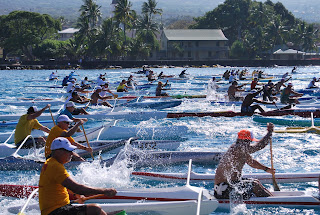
<point x="28" y="200"/>
<point x="85" y="135"/>
<point x="275" y="185"/>
<point x="54" y="123"/>
<point x="83" y="199"/>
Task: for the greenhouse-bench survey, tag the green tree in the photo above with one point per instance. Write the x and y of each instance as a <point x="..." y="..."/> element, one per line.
<point x="238" y="50"/>
<point x="50" y="49"/>
<point x="25" y="30"/>
<point x="92" y="12"/>
<point x="124" y="14"/>
<point x="150" y="8"/>
<point x="109" y="40"/>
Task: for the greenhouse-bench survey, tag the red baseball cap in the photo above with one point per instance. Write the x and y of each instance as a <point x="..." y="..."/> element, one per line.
<point x="246" y="135"/>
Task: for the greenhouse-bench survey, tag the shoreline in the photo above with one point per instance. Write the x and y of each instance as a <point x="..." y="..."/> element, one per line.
<point x="38" y="65"/>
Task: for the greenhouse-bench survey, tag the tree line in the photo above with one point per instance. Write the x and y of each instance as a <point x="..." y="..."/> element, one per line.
<point x="253" y="29"/>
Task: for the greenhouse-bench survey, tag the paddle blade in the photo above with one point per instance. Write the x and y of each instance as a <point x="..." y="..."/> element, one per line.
<point x="275" y="185"/>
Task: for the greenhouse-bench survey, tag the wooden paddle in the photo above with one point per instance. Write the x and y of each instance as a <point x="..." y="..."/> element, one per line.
<point x="88" y="198"/>
<point x="85" y="135"/>
<point x="54" y="123"/>
<point x="275" y="185"/>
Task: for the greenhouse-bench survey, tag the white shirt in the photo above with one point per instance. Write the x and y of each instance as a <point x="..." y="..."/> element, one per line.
<point x="70" y="87"/>
<point x="52" y="76"/>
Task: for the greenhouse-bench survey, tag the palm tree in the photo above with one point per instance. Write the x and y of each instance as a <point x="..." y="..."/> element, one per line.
<point x="149" y="8"/>
<point x="123" y="14"/>
<point x="91" y="11"/>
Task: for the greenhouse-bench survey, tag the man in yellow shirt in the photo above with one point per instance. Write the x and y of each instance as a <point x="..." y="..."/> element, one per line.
<point x="55" y="180"/>
<point x="26" y="123"/>
<point x="61" y="130"/>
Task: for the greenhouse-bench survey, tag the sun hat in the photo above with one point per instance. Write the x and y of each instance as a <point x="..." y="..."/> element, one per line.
<point x="62" y="143"/>
<point x="290" y="84"/>
<point x="64" y="118"/>
<point x="246" y="135"/>
<point x="70" y="104"/>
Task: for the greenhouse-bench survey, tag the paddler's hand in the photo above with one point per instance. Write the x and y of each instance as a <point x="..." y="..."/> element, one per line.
<point x="80" y="199"/>
<point x="271" y="171"/>
<point x="48" y="105"/>
<point x="110" y="192"/>
<point x="89" y="149"/>
<point x="270" y="127"/>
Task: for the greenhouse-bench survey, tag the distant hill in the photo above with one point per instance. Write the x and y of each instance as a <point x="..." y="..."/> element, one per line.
<point x="305" y="9"/>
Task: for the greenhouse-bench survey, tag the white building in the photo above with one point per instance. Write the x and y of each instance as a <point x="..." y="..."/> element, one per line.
<point x="67" y="33"/>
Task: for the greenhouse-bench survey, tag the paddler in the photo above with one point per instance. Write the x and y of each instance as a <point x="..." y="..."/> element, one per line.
<point x="96" y="96"/>
<point x="71" y="109"/>
<point x="61" y="130"/>
<point x="26" y="124"/>
<point x="53" y="76"/>
<point x="286" y="97"/>
<point x="232" y="92"/>
<point x="122" y="86"/>
<point x="228" y="179"/>
<point x="312" y="83"/>
<point x="55" y="182"/>
<point x="160" y="88"/>
<point x="247" y="106"/>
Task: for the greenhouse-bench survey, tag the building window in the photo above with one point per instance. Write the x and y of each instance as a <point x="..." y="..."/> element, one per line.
<point x="209" y="54"/>
<point x="181" y="55"/>
<point x="197" y="44"/>
<point x="189" y="54"/>
<point x="189" y="44"/>
<point x="181" y="44"/>
<point x="217" y="44"/>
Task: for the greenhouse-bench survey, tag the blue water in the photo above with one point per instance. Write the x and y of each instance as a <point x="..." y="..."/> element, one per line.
<point x="291" y="152"/>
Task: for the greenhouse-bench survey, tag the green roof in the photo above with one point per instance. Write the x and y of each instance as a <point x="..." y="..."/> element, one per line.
<point x="195" y="34"/>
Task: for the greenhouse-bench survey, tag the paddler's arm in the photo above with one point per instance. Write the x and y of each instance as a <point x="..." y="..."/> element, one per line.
<point x="38" y="113"/>
<point x="263" y="142"/>
<point x="257" y="165"/>
<point x="73" y="130"/>
<point x="45" y="129"/>
<point x="77" y="188"/>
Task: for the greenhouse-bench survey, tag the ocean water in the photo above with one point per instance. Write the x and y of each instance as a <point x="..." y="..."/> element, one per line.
<point x="291" y="152"/>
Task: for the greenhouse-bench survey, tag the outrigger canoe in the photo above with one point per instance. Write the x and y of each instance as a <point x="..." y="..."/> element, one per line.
<point x="166" y="207"/>
<point x="156" y="158"/>
<point x="169" y="201"/>
<point x="264" y="178"/>
<point x="289" y="121"/>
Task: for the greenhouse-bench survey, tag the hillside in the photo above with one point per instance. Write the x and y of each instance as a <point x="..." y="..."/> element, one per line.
<point x="306" y="10"/>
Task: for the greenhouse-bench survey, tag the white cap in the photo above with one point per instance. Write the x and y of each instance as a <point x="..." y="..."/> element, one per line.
<point x="64" y="118"/>
<point x="73" y="80"/>
<point x="70" y="104"/>
<point x="62" y="143"/>
<point x="98" y="88"/>
<point x="77" y="87"/>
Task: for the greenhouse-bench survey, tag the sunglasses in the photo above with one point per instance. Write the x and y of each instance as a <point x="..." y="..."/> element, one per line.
<point x="67" y="123"/>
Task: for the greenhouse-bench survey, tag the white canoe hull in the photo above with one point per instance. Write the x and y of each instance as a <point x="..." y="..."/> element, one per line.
<point x="264" y="178"/>
<point x="156" y="158"/>
<point x="145" y="144"/>
<point x="161" y="208"/>
<point x="163" y="132"/>
<point x="294" y="199"/>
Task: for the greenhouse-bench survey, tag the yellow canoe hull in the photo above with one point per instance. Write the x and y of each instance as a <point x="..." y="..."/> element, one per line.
<point x="315" y="130"/>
